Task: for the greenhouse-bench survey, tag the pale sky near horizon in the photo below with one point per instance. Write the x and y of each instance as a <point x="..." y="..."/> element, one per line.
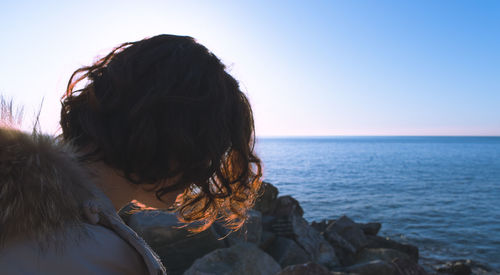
<point x="308" y="67"/>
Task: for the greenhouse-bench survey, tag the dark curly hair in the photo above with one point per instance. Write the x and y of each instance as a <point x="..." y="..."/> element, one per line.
<point x="165" y="107"/>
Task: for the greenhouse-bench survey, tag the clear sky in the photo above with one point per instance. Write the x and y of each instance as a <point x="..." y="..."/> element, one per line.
<point x="308" y="67"/>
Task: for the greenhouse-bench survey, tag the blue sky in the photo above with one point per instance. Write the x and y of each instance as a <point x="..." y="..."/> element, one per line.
<point x="308" y="67"/>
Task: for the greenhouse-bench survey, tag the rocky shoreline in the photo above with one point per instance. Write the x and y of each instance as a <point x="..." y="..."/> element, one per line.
<point x="277" y="240"/>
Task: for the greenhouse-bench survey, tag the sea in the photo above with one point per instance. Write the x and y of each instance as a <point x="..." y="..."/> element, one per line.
<point x="441" y="194"/>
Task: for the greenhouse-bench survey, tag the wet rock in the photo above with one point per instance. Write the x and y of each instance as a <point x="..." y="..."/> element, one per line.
<point x="313" y="243"/>
<point x="286" y="252"/>
<point x="343" y="249"/>
<point x="383" y="254"/>
<point x="462" y="267"/>
<point x="267" y="199"/>
<point x="371" y="228"/>
<point x="243" y="258"/>
<point x="177" y="247"/>
<point x="408" y="267"/>
<point x="349" y="230"/>
<point x="455" y="267"/>
<point x="287" y="206"/>
<point x="376" y="267"/>
<point x="308" y="269"/>
<point x="380" y="242"/>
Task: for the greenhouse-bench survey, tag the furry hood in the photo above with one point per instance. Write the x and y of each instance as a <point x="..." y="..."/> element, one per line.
<point x="42" y="187"/>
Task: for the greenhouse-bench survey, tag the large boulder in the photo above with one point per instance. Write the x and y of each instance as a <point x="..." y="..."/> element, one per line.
<point x="460" y="267"/>
<point x="267" y="239"/>
<point x="308" y="269"/>
<point x="344" y="250"/>
<point x="380" y="242"/>
<point x="281" y="226"/>
<point x="408" y="267"/>
<point x="177" y="247"/>
<point x="384" y="254"/>
<point x="251" y="231"/>
<point x="242" y="258"/>
<point x="314" y="244"/>
<point x="376" y="267"/>
<point x="286" y="252"/>
<point x="321" y="225"/>
<point x="457" y="267"/>
<point x="371" y="228"/>
<point x="286" y="206"/>
<point x="266" y="202"/>
<point x="349" y="230"/>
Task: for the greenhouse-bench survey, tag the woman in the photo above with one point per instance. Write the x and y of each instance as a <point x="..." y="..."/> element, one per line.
<point x="157" y="120"/>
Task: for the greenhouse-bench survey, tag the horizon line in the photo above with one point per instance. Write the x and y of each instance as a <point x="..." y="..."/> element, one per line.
<point x="327" y="136"/>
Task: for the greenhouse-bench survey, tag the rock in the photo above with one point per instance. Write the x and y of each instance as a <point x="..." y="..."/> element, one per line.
<point x="287" y="206"/>
<point x="344" y="250"/>
<point x="286" y="252"/>
<point x="371" y="228"/>
<point x="281" y="226"/>
<point x="313" y="243"/>
<point x="267" y="200"/>
<point x="455" y="267"/>
<point x="408" y="267"/>
<point x="349" y="230"/>
<point x="321" y="225"/>
<point x="251" y="231"/>
<point x="463" y="266"/>
<point x="380" y="242"/>
<point x="267" y="222"/>
<point x="243" y="258"/>
<point x="383" y="254"/>
<point x="177" y="247"/>
<point x="373" y="268"/>
<point x="308" y="269"/>
<point x="266" y="239"/>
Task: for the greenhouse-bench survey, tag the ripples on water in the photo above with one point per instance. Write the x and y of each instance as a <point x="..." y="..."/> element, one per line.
<point x="439" y="193"/>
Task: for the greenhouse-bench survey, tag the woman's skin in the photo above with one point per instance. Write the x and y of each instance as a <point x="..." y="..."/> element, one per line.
<point x="120" y="191"/>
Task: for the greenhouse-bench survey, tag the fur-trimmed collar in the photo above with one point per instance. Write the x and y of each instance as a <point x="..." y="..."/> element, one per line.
<point x="42" y="188"/>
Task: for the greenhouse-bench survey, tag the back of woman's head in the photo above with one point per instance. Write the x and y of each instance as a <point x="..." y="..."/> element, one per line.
<point x="164" y="108"/>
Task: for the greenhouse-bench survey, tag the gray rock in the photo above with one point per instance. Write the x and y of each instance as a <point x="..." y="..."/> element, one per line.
<point x="373" y="268"/>
<point x="344" y="250"/>
<point x="281" y="226"/>
<point x="383" y="254"/>
<point x="408" y="267"/>
<point x="267" y="199"/>
<point x="313" y="243"/>
<point x="455" y="268"/>
<point x="287" y="206"/>
<point x="286" y="252"/>
<point x="243" y="258"/>
<point x="349" y="230"/>
<point x="251" y="231"/>
<point x="380" y="242"/>
<point x="266" y="240"/>
<point x="463" y="267"/>
<point x="308" y="269"/>
<point x="321" y="225"/>
<point x="371" y="228"/>
<point x="177" y="247"/>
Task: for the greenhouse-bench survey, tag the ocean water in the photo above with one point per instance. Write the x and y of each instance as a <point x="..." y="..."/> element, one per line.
<point x="439" y="193"/>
